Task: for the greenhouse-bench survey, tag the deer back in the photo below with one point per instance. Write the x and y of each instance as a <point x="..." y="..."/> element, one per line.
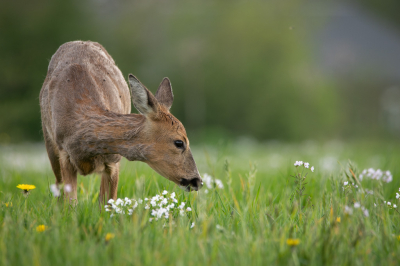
<point x="82" y="81"/>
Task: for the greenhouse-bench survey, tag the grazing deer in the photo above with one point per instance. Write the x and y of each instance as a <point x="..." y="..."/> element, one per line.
<point x="87" y="124"/>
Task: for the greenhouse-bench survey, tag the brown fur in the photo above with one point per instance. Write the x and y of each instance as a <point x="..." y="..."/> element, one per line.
<point x="87" y="124"/>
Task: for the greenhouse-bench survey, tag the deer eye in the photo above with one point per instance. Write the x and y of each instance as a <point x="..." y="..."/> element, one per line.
<point x="179" y="144"/>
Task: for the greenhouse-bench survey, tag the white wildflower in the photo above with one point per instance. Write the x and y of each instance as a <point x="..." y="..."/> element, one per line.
<point x="208" y="180"/>
<point x="192" y="225"/>
<point x="119" y="202"/>
<point x="394" y="206"/>
<point x="110" y="201"/>
<point x="156" y="198"/>
<point x="348" y="210"/>
<point x="188" y="209"/>
<point x="165" y="192"/>
<point x="397" y="195"/>
<point x="306" y="165"/>
<point x="151" y="219"/>
<point x="389" y="203"/>
<point x="312" y="168"/>
<point x="128" y="201"/>
<point x="147" y="207"/>
<point x="357" y="205"/>
<point x="68" y="188"/>
<point x="219" y="183"/>
<point x="164" y="201"/>
<point x="140" y="201"/>
<point x="298" y="163"/>
<point x="345" y="183"/>
<point x="181" y="212"/>
<point x="54" y="189"/>
<point x="172" y="195"/>
<point x="219" y="227"/>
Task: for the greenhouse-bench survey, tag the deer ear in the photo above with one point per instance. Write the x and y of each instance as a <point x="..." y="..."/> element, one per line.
<point x="143" y="100"/>
<point x="164" y="93"/>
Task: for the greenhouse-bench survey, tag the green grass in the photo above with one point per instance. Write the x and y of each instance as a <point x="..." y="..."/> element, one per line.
<point x="246" y="223"/>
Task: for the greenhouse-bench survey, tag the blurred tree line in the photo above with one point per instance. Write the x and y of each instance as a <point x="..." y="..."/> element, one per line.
<point x="241" y="68"/>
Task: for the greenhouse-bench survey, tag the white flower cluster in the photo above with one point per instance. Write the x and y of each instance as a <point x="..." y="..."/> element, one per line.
<point x="210" y="183"/>
<point x="389" y="204"/>
<point x="164" y="206"/>
<point x="55" y="190"/>
<point x="122" y="206"/>
<point x="348" y="210"/>
<point x="346" y="185"/>
<point x="161" y="206"/>
<point x="397" y="194"/>
<point x="306" y="165"/>
<point x="378" y="174"/>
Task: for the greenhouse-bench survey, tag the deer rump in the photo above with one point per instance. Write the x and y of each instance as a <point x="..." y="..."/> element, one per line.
<point x="87" y="122"/>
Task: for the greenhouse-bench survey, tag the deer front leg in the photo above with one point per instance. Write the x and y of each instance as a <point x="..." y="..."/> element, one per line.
<point x="109" y="184"/>
<point x="69" y="178"/>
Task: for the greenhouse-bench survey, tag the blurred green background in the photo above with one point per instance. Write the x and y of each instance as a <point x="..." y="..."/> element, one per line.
<point x="281" y="70"/>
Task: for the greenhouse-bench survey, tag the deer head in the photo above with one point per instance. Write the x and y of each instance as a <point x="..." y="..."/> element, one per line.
<point x="167" y="145"/>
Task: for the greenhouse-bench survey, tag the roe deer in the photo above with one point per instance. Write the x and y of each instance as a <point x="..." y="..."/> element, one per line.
<point x="87" y="124"/>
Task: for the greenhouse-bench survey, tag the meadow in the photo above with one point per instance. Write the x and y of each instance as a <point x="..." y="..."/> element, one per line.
<point x="255" y="215"/>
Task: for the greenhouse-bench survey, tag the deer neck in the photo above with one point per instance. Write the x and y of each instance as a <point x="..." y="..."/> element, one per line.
<point x="113" y="133"/>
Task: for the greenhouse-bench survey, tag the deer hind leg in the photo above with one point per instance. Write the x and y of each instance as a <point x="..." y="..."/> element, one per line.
<point x="52" y="152"/>
<point x="69" y="177"/>
<point x="109" y="183"/>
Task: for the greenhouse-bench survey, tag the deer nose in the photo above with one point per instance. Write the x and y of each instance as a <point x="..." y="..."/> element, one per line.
<point x="192" y="184"/>
<point x="196" y="184"/>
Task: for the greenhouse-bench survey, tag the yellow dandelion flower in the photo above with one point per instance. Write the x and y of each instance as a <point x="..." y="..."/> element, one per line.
<point x="26" y="188"/>
<point x="338" y="219"/>
<point x="8" y="204"/>
<point x="41" y="228"/>
<point x="109" y="236"/>
<point x="293" y="241"/>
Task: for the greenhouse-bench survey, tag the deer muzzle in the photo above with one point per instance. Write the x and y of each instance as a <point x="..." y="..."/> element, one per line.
<point x="194" y="184"/>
